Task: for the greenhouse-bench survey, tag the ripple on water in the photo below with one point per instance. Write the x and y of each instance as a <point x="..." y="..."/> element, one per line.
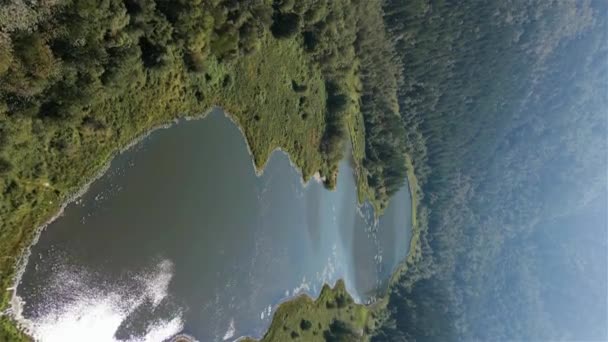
<point x="84" y="306"/>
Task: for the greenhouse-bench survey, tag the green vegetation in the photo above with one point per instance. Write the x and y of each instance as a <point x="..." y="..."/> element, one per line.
<point x="80" y="79"/>
<point x="504" y="110"/>
<point x="332" y="317"/>
<point x="494" y="112"/>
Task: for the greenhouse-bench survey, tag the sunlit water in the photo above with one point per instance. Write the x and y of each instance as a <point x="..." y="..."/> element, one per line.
<point x="180" y="235"/>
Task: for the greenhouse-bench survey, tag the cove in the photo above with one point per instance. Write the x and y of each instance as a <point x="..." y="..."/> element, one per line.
<point x="181" y="235"/>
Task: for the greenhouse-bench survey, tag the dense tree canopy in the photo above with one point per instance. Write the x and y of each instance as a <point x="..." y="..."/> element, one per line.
<point x="504" y="104"/>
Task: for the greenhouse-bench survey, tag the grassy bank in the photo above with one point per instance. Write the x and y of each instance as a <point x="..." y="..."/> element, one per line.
<point x="333" y="316"/>
<point x="414" y="249"/>
<point x="416" y="195"/>
<point x="379" y="308"/>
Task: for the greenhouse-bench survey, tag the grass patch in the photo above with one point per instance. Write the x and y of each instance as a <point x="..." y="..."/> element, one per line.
<point x="274" y="114"/>
<point x="305" y="319"/>
<point x="356" y="134"/>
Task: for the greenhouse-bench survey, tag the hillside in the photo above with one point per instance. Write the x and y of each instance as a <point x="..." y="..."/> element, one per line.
<point x="505" y="108"/>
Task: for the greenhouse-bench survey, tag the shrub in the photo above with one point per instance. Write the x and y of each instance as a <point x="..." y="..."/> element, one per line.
<point x="285" y="25"/>
<point x="5" y="166"/>
<point x="286" y="5"/>
<point x="6" y="58"/>
<point x="195" y="61"/>
<point x="35" y="56"/>
<point x="340" y="331"/>
<point x="305" y="324"/>
<point x="341" y="301"/>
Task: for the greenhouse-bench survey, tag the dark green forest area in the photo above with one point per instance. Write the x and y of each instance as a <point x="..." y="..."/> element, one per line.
<point x="505" y="105"/>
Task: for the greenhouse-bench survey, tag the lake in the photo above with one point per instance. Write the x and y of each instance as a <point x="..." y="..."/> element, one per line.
<point x="181" y="235"/>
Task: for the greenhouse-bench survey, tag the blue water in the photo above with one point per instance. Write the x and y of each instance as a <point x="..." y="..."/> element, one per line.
<point x="180" y="235"/>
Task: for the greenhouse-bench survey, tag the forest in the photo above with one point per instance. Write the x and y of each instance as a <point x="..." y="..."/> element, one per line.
<point x="504" y="105"/>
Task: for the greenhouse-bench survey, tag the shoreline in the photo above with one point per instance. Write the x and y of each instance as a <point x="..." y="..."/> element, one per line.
<point x="15" y="307"/>
<point x="304" y="293"/>
<point x="14" y="310"/>
<point x="259" y="171"/>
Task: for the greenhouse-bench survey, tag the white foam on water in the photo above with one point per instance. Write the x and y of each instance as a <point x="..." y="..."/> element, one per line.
<point x="303" y="287"/>
<point x="231" y="331"/>
<point x="93" y="319"/>
<point x="265" y="314"/>
<point x="78" y="310"/>
<point x="328" y="274"/>
<point x="157" y="283"/>
<point x="163" y="330"/>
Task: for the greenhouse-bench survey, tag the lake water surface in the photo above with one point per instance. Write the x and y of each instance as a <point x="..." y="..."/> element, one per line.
<point x="181" y="235"/>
